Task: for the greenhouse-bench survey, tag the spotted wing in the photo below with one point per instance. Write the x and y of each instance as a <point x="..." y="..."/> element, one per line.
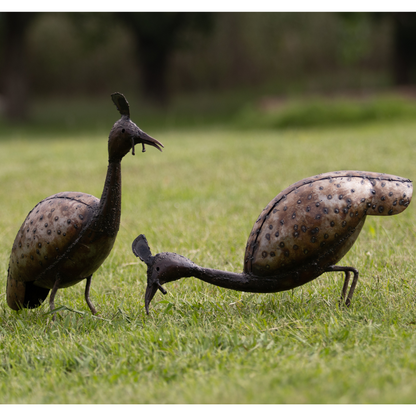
<point x="317" y="220"/>
<point x="47" y="233"/>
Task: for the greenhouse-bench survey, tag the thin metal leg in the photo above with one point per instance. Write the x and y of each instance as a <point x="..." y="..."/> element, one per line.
<point x="52" y="296"/>
<point x="352" y="288"/>
<point x="87" y="296"/>
<point x="347" y="271"/>
<point x="345" y="287"/>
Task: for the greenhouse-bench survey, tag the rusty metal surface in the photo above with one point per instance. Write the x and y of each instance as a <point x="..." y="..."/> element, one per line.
<point x="318" y="219"/>
<point x="67" y="236"/>
<point x="303" y="232"/>
<point x="47" y="233"/>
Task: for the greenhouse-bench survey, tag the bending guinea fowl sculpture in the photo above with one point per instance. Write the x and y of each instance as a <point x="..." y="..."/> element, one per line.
<point x="303" y="232"/>
<point x="66" y="237"/>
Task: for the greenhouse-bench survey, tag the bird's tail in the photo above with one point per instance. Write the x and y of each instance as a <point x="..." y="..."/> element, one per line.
<point x="387" y="194"/>
<point x="24" y="294"/>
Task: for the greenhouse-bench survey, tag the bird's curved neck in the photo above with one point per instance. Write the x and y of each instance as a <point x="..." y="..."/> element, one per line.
<point x="222" y="278"/>
<point x="109" y="211"/>
<point x="245" y="282"/>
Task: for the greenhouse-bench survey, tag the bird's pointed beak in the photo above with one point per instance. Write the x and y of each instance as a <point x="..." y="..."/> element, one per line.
<point x="144" y="138"/>
<point x="150" y="293"/>
<point x="141" y="249"/>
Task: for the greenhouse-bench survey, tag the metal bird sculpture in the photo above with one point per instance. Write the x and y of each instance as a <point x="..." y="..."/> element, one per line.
<point x="66" y="237"/>
<point x="302" y="233"/>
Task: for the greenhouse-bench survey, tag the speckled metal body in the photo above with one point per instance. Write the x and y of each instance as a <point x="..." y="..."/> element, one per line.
<point x="55" y="240"/>
<point x="61" y="238"/>
<point x="302" y="233"/>
<point x="313" y="223"/>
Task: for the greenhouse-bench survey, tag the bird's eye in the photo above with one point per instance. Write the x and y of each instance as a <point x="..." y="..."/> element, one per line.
<point x="123" y="130"/>
<point x="157" y="268"/>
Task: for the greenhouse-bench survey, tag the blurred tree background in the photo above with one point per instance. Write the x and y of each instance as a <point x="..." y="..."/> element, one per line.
<point x="165" y="59"/>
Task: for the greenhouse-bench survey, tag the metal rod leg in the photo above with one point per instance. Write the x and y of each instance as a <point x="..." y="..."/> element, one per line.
<point x="345" y="287"/>
<point x="52" y="296"/>
<point x="347" y="271"/>
<point x="87" y="296"/>
<point x="352" y="288"/>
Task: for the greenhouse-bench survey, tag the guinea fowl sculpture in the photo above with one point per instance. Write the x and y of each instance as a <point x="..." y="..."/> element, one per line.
<point x="302" y="233"/>
<point x="66" y="237"/>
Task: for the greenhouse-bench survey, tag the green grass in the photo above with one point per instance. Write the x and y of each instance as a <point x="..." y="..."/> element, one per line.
<point x="201" y="343"/>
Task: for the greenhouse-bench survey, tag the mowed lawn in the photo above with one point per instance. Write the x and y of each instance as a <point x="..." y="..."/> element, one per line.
<point x="200" y="343"/>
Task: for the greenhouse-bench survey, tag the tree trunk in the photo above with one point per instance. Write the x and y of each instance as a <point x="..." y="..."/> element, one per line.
<point x="154" y="69"/>
<point x="15" y="85"/>
<point x="404" y="47"/>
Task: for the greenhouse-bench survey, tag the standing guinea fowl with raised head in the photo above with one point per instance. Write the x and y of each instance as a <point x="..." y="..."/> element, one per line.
<point x="302" y="233"/>
<point x="66" y="237"/>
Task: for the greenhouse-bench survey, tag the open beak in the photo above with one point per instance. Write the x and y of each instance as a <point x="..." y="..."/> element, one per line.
<point x="141" y="249"/>
<point x="150" y="293"/>
<point x="144" y="138"/>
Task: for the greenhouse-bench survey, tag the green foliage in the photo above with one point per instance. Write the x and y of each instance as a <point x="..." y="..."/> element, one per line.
<point x="240" y="109"/>
<point x="90" y="53"/>
<point x="201" y="343"/>
<point x="321" y="112"/>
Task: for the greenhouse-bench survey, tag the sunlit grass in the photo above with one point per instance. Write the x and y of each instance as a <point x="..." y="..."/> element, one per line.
<point x="201" y="343"/>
